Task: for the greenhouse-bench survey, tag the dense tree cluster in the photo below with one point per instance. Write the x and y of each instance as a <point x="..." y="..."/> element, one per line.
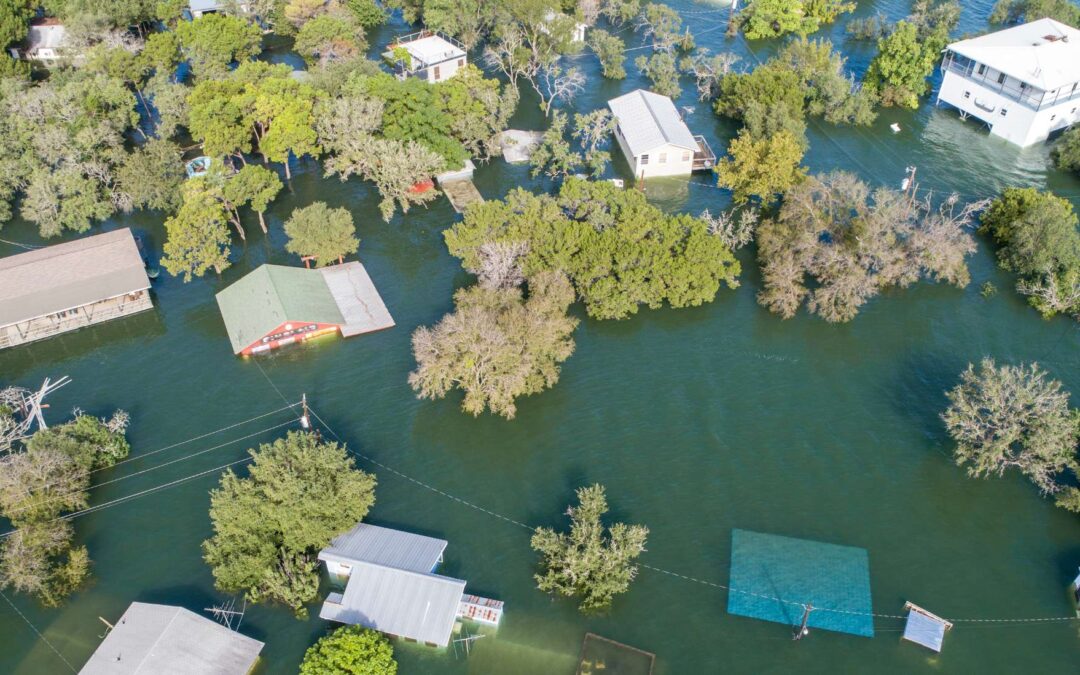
<point x="908" y="53"/>
<point x="322" y="234"/>
<point x="350" y="650"/>
<point x="619" y="251"/>
<point x="299" y="494"/>
<point x="588" y="562"/>
<point x="1066" y="152"/>
<point x="48" y="476"/>
<point x="854" y="243"/>
<point x="1017" y="11"/>
<point x="773" y="18"/>
<point x="1038" y="237"/>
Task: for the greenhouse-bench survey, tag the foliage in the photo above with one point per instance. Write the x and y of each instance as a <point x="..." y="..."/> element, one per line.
<point x="326" y="235"/>
<point x="479" y="109"/>
<point x="611" y="52"/>
<point x="618" y="250"/>
<point x="350" y="650"/>
<point x="497" y="345"/>
<point x="662" y="25"/>
<point x="213" y="42"/>
<point x="553" y="156"/>
<point x="253" y="185"/>
<point x="855" y="243"/>
<point x="330" y="37"/>
<point x="299" y="494"/>
<point x="368" y="13"/>
<point x="662" y="71"/>
<point x="868" y="28"/>
<point x="900" y="69"/>
<point x="594" y="131"/>
<point x="1038" y="238"/>
<point x="1066" y="152"/>
<point x="588" y="562"/>
<point x="15" y="18"/>
<point x="761" y="168"/>
<point x="708" y="71"/>
<point x="773" y="18"/>
<point x="196" y="238"/>
<point x="151" y="176"/>
<point x="1013" y="417"/>
<point x="1017" y="11"/>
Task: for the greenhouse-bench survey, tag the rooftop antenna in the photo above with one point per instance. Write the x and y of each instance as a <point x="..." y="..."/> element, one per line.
<point x="226" y="613"/>
<point x="28" y="406"/>
<point x="803" y="630"/>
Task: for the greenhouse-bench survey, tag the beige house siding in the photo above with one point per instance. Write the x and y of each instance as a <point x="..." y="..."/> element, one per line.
<point x="666" y="160"/>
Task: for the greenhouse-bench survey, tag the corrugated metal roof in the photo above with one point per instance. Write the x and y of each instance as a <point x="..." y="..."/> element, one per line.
<point x="271" y="295"/>
<point x="356" y="298"/>
<point x="72" y="274"/>
<point x="384" y="546"/>
<point x="165" y="640"/>
<point x="413" y="605"/>
<point x="924" y="630"/>
<point x="648" y="121"/>
<point x="1043" y="53"/>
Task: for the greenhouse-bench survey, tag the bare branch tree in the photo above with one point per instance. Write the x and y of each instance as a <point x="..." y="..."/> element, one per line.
<point x="500" y="264"/>
<point x="556" y="84"/>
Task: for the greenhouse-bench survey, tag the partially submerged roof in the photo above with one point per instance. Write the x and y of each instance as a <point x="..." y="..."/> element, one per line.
<point x="1043" y="53"/>
<point x="924" y="628"/>
<point x="414" y="605"/>
<point x="648" y="121"/>
<point x="271" y="295"/>
<point x="165" y="640"/>
<point x="432" y="49"/>
<point x="69" y="275"/>
<point x="387" y="547"/>
<point x="774" y="578"/>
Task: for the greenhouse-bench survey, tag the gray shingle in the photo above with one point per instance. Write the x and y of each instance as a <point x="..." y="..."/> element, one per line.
<point x="648" y="121"/>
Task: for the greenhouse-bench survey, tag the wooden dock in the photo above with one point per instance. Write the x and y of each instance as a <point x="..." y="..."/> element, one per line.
<point x="461" y="193"/>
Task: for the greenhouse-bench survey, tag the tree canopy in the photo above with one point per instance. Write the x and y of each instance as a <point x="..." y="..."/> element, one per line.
<point x="299" y="494"/>
<point x="773" y="18"/>
<point x="589" y="563"/>
<point x="908" y="53"/>
<point x="215" y="41"/>
<point x="1017" y="11"/>
<point x="350" y="650"/>
<point x="321" y="233"/>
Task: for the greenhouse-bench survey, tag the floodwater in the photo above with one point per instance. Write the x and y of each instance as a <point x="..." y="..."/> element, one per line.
<point x="697" y="421"/>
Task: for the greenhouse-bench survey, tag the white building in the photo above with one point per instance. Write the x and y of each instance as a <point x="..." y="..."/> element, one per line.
<point x="432" y="57"/>
<point x="1023" y="82"/>
<point x="654" y="139"/>
<point x="43" y="42"/>
<point x="578" y="32"/>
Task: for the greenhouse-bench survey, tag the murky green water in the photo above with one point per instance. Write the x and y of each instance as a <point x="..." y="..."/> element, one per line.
<point x="696" y="420"/>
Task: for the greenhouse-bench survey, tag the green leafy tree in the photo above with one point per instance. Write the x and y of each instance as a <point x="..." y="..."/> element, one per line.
<point x="151" y="176"/>
<point x="350" y="650"/>
<point x="773" y="18"/>
<point x="1013" y="417"/>
<point x="1066" y="152"/>
<point x="661" y="25"/>
<point x="761" y="168"/>
<point x="215" y="41"/>
<point x="588" y="562"/>
<point x="368" y="13"/>
<point x="594" y="131"/>
<point x="611" y="51"/>
<point x="220" y="116"/>
<point x="479" y="109"/>
<point x="497" y="345"/>
<point x="1038" y="237"/>
<point x="253" y="185"/>
<point x="196" y="238"/>
<point x="900" y="69"/>
<point x="300" y="493"/>
<point x="1016" y="11"/>
<point x="330" y="37"/>
<point x="321" y="233"/>
<point x="663" y="71"/>
<point x="15" y="16"/>
<point x="553" y="156"/>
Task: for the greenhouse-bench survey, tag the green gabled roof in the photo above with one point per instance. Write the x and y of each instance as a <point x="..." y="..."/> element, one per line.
<point x="271" y="295"/>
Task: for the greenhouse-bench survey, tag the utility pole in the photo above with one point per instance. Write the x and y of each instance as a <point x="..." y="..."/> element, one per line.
<point x="305" y="421"/>
<point x="908" y="185"/>
<point x="731" y="17"/>
<point x="803" y="630"/>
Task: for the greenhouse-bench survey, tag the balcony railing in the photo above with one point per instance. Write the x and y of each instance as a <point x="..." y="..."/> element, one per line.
<point x="1036" y="99"/>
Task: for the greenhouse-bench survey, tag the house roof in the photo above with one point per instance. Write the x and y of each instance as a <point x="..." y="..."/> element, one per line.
<point x="1043" y="53"/>
<point x="205" y="5"/>
<point x="275" y="294"/>
<point x="414" y="605"/>
<point x="167" y="640"/>
<point x="649" y="121"/>
<point x="928" y="631"/>
<point x="69" y="275"/>
<point x="431" y="50"/>
<point x="47" y="33"/>
<point x="387" y="547"/>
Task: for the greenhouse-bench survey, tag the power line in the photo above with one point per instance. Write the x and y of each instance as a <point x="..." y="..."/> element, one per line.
<point x="37" y="632"/>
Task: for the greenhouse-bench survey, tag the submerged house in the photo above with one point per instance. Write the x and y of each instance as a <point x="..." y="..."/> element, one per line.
<point x="391" y="586"/>
<point x="429" y="56"/>
<point x="1022" y="82"/>
<point x="43" y="41"/>
<point x="67" y="286"/>
<point x="276" y="305"/>
<point x="152" y="639"/>
<point x="654" y="139"/>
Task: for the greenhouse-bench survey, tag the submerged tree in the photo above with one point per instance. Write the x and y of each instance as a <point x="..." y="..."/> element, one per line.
<point x="213" y="42"/>
<point x="320" y="233"/>
<point x="350" y="650"/>
<point x="299" y="494"/>
<point x="196" y="238"/>
<point x="773" y="18"/>
<point x="611" y="51"/>
<point x="1013" y="417"/>
<point x="589" y="563"/>
<point x="761" y="168"/>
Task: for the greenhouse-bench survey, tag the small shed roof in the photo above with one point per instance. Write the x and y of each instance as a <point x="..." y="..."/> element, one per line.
<point x="46" y="33"/>
<point x="387" y="547"/>
<point x="165" y="640"/>
<point x="205" y="5"/>
<point x="648" y="121"/>
<point x="1043" y="53"/>
<point x="69" y="275"/>
<point x="413" y="605"/>
<point x="924" y="630"/>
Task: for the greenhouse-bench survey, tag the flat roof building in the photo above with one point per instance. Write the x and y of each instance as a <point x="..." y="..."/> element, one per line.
<point x="67" y="286"/>
<point x="432" y="57"/>
<point x="43" y="41"/>
<point x="165" y="640"/>
<point x="1023" y="82"/>
<point x="654" y="138"/>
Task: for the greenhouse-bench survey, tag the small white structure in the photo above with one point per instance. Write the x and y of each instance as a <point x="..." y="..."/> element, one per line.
<point x="924" y="628"/>
<point x="391" y="587"/>
<point x="432" y="57"/>
<point x="654" y="138"/>
<point x="578" y="34"/>
<point x="43" y="42"/>
<point x="1023" y="82"/>
<point x="154" y="639"/>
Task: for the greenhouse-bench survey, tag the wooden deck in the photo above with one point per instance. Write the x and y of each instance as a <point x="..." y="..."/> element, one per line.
<point x="461" y="193"/>
<point x="704" y="158"/>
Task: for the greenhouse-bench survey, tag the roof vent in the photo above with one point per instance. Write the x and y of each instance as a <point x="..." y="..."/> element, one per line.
<point x="1053" y="38"/>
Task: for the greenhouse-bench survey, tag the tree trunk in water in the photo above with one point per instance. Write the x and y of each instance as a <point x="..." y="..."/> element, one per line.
<point x="235" y="219"/>
<point x="262" y="222"/>
<point x="288" y="173"/>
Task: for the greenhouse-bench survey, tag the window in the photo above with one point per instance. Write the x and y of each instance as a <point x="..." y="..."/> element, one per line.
<point x="663" y="158"/>
<point x="436" y="73"/>
<point x="1001" y="78"/>
<point x="1004" y="112"/>
<point x="967" y="94"/>
<point x="982" y="69"/>
<point x="460" y="63"/>
<point x="644" y="160"/>
<point x="686" y="156"/>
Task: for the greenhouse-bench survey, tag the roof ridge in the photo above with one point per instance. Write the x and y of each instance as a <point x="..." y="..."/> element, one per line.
<point x="67" y="248"/>
<point x="428" y="575"/>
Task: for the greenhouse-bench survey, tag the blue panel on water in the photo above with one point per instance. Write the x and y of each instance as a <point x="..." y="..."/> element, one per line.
<point x="772" y="577"/>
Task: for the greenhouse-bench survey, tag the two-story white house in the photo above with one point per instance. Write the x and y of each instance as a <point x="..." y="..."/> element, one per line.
<point x="1023" y="82"/>
<point x="654" y="139"/>
<point x="429" y="56"/>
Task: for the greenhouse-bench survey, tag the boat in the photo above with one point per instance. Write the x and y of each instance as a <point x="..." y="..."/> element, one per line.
<point x="198" y="167"/>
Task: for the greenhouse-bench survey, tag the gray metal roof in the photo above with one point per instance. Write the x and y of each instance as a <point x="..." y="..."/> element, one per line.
<point x="356" y="298"/>
<point x="165" y="640"/>
<point x="924" y="630"/>
<point x="387" y="547"/>
<point x="69" y="275"/>
<point x="422" y="607"/>
<point x="649" y="121"/>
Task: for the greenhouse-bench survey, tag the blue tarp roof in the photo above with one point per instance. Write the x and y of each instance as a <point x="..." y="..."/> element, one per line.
<point x="773" y="577"/>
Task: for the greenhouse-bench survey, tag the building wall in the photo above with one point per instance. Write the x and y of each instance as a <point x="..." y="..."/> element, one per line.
<point x="287" y="334"/>
<point x="446" y="69"/>
<point x="1020" y="125"/>
<point x="63" y="322"/>
<point x="674" y="163"/>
